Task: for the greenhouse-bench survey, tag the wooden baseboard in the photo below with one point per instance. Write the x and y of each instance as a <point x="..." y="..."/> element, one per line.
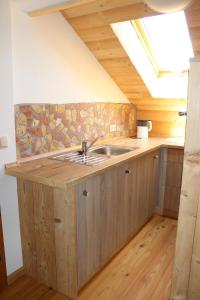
<point x="158" y="211"/>
<point x="15" y="275"/>
<point x="170" y="214"/>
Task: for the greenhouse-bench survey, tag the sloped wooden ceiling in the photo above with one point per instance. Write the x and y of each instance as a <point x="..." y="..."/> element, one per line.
<point x="92" y="23"/>
<point x="91" y="19"/>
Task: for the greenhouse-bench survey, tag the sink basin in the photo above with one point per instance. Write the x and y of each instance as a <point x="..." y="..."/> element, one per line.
<point x="109" y="150"/>
<point x="94" y="156"/>
<point x="89" y="160"/>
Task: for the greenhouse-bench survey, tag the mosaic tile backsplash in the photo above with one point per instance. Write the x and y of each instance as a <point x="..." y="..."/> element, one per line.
<point x="42" y="128"/>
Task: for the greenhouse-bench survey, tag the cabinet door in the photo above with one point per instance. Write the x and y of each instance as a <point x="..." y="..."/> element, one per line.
<point x="118" y="208"/>
<point x="106" y="217"/>
<point x="147" y="184"/>
<point x="88" y="228"/>
<point x="110" y="198"/>
<point x="111" y="208"/>
<point x="127" y="204"/>
<point x="97" y="222"/>
<point x="153" y="173"/>
<point x="173" y="182"/>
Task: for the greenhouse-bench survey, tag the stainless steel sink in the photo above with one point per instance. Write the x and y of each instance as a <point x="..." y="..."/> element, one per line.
<point x="94" y="156"/>
<point x="75" y="157"/>
<point x="109" y="150"/>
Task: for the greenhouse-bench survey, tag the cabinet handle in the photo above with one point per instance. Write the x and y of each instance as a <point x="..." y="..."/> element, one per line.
<point x="128" y="171"/>
<point x="86" y="193"/>
<point x="156" y="156"/>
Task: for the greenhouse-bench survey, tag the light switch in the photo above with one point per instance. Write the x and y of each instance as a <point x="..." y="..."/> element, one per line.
<point x="3" y="142"/>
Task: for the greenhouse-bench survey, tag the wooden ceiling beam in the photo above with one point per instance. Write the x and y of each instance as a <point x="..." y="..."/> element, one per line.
<point x="107" y="17"/>
<point x="98" y="6"/>
<point x="128" y="12"/>
<point x="77" y="8"/>
<point x="160" y="101"/>
<point x="160" y="107"/>
<point x="158" y="116"/>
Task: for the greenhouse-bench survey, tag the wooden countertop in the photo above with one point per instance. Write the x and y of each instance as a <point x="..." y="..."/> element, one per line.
<point x="60" y="173"/>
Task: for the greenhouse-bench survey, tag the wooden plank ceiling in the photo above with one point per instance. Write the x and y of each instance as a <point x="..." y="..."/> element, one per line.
<point x="92" y="23"/>
<point x="91" y="19"/>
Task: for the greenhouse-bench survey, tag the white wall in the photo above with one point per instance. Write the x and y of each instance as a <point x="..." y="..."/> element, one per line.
<point x="52" y="64"/>
<point x="8" y="195"/>
<point x="41" y="60"/>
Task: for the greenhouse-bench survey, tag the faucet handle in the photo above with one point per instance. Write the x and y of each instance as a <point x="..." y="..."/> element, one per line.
<point x="84" y="147"/>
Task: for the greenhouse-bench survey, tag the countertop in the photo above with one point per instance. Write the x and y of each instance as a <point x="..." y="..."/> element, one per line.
<point x="61" y="173"/>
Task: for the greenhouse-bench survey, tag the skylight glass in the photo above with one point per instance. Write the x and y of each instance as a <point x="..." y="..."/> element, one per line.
<point x="169" y="41"/>
<point x="160" y="49"/>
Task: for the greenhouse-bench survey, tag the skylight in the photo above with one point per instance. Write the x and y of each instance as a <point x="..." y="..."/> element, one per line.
<point x="169" y="40"/>
<point x="160" y="49"/>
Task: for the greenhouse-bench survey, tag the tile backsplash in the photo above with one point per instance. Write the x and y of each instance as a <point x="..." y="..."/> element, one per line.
<point x="42" y="128"/>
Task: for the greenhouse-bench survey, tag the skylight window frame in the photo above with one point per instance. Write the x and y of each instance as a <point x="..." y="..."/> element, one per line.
<point x="164" y="84"/>
<point x="146" y="43"/>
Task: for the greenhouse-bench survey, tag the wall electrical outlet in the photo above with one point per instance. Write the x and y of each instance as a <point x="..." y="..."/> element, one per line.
<point x="113" y="127"/>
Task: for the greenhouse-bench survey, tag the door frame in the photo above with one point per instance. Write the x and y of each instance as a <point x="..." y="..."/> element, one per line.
<point x="3" y="273"/>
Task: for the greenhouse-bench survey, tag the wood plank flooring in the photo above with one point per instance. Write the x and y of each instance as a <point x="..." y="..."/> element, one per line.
<point x="141" y="271"/>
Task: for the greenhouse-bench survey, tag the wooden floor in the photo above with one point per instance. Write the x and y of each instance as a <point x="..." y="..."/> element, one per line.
<point x="141" y="271"/>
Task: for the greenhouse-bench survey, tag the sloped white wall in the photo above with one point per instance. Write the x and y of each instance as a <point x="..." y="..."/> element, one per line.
<point x="41" y="60"/>
<point x="8" y="194"/>
<point x="52" y="64"/>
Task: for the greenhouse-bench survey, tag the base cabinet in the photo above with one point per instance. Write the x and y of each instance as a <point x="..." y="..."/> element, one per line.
<point x="172" y="183"/>
<point x="69" y="234"/>
<point x="111" y="208"/>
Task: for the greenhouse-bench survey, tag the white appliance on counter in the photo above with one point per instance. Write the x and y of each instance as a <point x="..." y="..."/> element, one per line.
<point x="143" y="129"/>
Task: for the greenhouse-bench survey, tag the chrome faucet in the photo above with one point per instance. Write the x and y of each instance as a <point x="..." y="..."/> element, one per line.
<point x="86" y="147"/>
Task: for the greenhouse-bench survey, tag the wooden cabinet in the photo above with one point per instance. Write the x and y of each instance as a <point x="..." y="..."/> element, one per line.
<point x="173" y="179"/>
<point x="88" y="228"/>
<point x="147" y="184"/>
<point x="111" y="208"/>
<point x="102" y="220"/>
<point x="70" y="233"/>
<point x="127" y="202"/>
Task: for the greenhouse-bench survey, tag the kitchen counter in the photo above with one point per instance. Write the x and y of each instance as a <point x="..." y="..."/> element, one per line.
<point x="60" y="173"/>
<point x="73" y="222"/>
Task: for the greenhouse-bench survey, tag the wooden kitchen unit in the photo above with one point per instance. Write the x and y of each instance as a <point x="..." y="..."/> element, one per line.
<point x="75" y="218"/>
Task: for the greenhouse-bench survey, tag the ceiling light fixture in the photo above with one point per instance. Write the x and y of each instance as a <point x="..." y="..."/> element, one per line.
<point x="167" y="6"/>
